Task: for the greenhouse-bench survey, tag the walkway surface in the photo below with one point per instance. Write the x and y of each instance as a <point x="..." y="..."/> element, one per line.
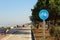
<point x="2" y="36"/>
<point x="23" y="33"/>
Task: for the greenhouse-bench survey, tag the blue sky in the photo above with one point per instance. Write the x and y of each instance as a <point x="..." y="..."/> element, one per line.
<point x="14" y="12"/>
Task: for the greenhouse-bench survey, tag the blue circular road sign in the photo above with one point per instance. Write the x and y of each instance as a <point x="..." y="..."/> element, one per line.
<point x="43" y="14"/>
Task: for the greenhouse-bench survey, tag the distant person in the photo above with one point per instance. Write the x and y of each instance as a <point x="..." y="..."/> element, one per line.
<point x="23" y="26"/>
<point x="17" y="25"/>
<point x="7" y="30"/>
<point x="3" y="30"/>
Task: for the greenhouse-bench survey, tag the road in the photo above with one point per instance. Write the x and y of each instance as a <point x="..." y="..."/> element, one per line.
<point x="23" y="33"/>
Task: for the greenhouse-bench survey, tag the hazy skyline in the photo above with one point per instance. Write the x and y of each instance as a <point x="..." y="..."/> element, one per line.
<point x="13" y="12"/>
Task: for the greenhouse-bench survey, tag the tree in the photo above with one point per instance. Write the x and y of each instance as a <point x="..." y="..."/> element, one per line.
<point x="51" y="6"/>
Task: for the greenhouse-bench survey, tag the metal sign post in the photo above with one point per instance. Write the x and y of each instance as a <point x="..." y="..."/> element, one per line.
<point x="43" y="14"/>
<point x="44" y="29"/>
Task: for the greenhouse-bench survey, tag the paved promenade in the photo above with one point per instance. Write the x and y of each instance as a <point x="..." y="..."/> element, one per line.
<point x="2" y="36"/>
<point x="23" y="34"/>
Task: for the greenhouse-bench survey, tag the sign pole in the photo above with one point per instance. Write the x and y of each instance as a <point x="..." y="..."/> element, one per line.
<point x="43" y="29"/>
<point x="44" y="14"/>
